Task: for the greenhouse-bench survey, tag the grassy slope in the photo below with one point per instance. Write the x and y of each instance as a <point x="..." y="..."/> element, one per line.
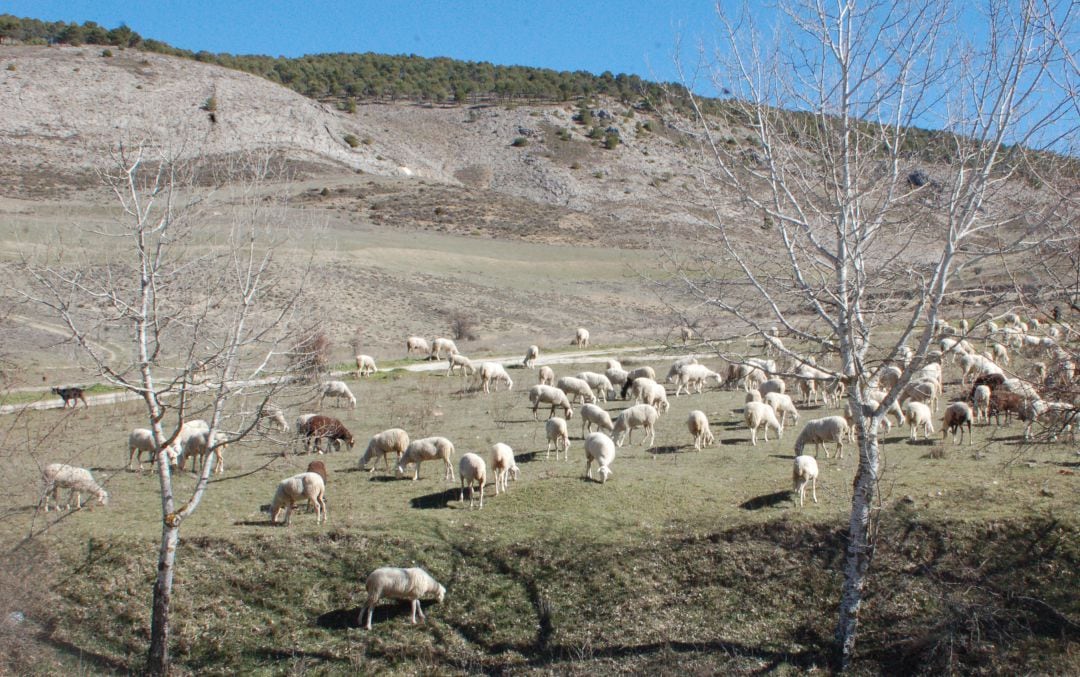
<point x="682" y="558"/>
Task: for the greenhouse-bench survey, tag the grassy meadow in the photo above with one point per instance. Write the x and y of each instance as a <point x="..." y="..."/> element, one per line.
<point x="683" y="560"/>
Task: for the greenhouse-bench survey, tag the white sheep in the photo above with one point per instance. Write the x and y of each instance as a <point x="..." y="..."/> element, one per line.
<point x="365" y="366"/>
<point x="698" y="425"/>
<point x="187" y="429"/>
<point x="804" y="470"/>
<point x="574" y="388"/>
<point x="612" y="363"/>
<point x="337" y="390"/>
<point x="503" y="466"/>
<point x="57" y="476"/>
<point x="638" y="416"/>
<point x="923" y="391"/>
<point x="198" y="446"/>
<point x="542" y="394"/>
<point x="439" y="345"/>
<point x="678" y="364"/>
<point x="461" y="363"/>
<point x="546" y="376"/>
<point x="591" y="415"/>
<point x="412" y="584"/>
<point x="581" y="337"/>
<point x="275" y="415"/>
<point x="772" y="385"/>
<point x="427" y="449"/>
<point x="617" y="376"/>
<point x="493" y="372"/>
<point x="417" y="344"/>
<point x="1000" y="352"/>
<point x="956" y="416"/>
<point x="694" y="375"/>
<point x="919" y="415"/>
<point x="640" y="372"/>
<point x="472" y="471"/>
<point x="782" y="406"/>
<point x="306" y="485"/>
<point x="532" y="353"/>
<point x="888" y="376"/>
<point x="140" y="440"/>
<point x="656" y="395"/>
<point x="390" y="441"/>
<point x="758" y="415"/>
<point x="557" y="435"/>
<point x="980" y="397"/>
<point x="821" y="431"/>
<point x="600" y="384"/>
<point x="600" y="448"/>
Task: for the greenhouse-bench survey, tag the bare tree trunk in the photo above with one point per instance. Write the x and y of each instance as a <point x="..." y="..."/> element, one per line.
<point x="159" y="661"/>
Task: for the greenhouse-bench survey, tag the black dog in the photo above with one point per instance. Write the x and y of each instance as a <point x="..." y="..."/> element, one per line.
<point x="71" y="395"/>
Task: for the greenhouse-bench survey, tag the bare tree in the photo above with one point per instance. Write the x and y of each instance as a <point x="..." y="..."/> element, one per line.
<point x="209" y="310"/>
<point x="825" y="208"/>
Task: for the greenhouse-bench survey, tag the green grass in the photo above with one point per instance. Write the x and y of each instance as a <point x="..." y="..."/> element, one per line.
<point x="682" y="561"/>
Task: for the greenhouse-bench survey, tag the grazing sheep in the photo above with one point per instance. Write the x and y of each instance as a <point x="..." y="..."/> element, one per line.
<point x="531" y="355"/>
<point x="694" y="375"/>
<point x="542" y="394"/>
<point x="759" y="414"/>
<point x="918" y="414"/>
<point x="575" y="388"/>
<point x="57" y="476"/>
<point x="772" y="385"/>
<point x="819" y="432"/>
<point x="140" y="440"/>
<point x="72" y="395"/>
<point x="337" y="390"/>
<point x="782" y="406"/>
<point x="617" y="376"/>
<point x="274" y="414"/>
<point x="365" y="366"/>
<point x="655" y="394"/>
<point x="591" y="415"/>
<point x="439" y="345"/>
<point x="888" y="377"/>
<point x="638" y="416"/>
<point x="678" y="364"/>
<point x="1009" y="403"/>
<point x="599" y="448"/>
<point x="956" y="415"/>
<point x="318" y="427"/>
<point x="319" y="468"/>
<point x="390" y="441"/>
<point x="198" y="446"/>
<point x="613" y="364"/>
<point x="503" y="466"/>
<point x="1000" y="352"/>
<point x="187" y="430"/>
<point x="557" y="435"/>
<point x="980" y="398"/>
<point x="416" y="344"/>
<point x="600" y="384"/>
<point x="634" y="374"/>
<point x="1057" y="417"/>
<point x="581" y="338"/>
<point x="812" y="381"/>
<point x="921" y="391"/>
<point x="804" y="470"/>
<point x="698" y="425"/>
<point x="773" y="345"/>
<point x="306" y="485"/>
<point x="493" y="372"/>
<point x="753" y="396"/>
<point x="461" y="363"/>
<point x="686" y="333"/>
<point x="546" y="376"/>
<point x="427" y="449"/>
<point x="472" y="471"/>
<point x="412" y="584"/>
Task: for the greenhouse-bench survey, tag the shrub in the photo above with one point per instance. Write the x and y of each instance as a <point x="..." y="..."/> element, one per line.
<point x="351" y="140"/>
<point x="519" y="142"/>
<point x="463" y="327"/>
<point x="11" y="67"/>
<point x="106" y="52"/>
<point x="611" y="140"/>
<point x="210" y="105"/>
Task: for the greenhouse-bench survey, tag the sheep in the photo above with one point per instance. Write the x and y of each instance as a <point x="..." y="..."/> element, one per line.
<point x="772" y="385"/>
<point x="638" y="416"/>
<point x="427" y="449"/>
<point x="698" y="425"/>
<point x="956" y="415"/>
<point x="307" y="485"/>
<point x="416" y="344"/>
<point x="600" y="384"/>
<point x="575" y="388"/>
<point x="753" y="396"/>
<point x="199" y="446"/>
<point x="921" y="391"/>
<point x="319" y="468"/>
<point x="635" y="374"/>
<point x="918" y="414"/>
<point x="494" y="372"/>
<point x="531" y="355"/>
<point x="773" y="345"/>
<point x="140" y="440"/>
<point x="782" y="406"/>
<point x="187" y="430"/>
<point x="591" y="415"/>
<point x="1002" y="400"/>
<point x="72" y="395"/>
<point x="617" y="376"/>
<point x="503" y="466"/>
<point x="412" y="584"/>
<point x="1057" y="416"/>
<point x="439" y="345"/>
<point x="804" y="470"/>
<point x="694" y="375"/>
<point x="758" y="414"/>
<point x="337" y="390"/>
<point x="810" y="377"/>
<point x="389" y="441"/>
<point x="685" y="334"/>
<point x="656" y="395"/>
<point x="600" y="448"/>
<point x="888" y="376"/>
<point x="820" y="431"/>
<point x="1000" y="352"/>
<point x="677" y="365"/>
<point x="57" y="476"/>
<point x="557" y="435"/>
<point x="318" y="427"/>
<point x="581" y="338"/>
<point x="543" y="394"/>
<point x="461" y="363"/>
<point x="365" y="366"/>
<point x="546" y="376"/>
<point x="472" y="471"/>
<point x="274" y="414"/>
<point x="980" y="398"/>
<point x="612" y="363"/>
<point x="754" y="379"/>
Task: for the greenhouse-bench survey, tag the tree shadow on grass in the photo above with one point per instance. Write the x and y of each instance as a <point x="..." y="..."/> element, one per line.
<point x="434" y="501"/>
<point x="767" y="501"/>
<point x="105" y="663"/>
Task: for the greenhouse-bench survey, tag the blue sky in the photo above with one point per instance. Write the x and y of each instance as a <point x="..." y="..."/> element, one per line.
<point x="621" y="36"/>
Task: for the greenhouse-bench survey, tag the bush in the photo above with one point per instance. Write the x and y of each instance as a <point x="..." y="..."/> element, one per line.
<point x="519" y="142"/>
<point x="210" y="105"/>
<point x="463" y="327"/>
<point x="351" y="140"/>
<point x="611" y="140"/>
<point x="106" y="52"/>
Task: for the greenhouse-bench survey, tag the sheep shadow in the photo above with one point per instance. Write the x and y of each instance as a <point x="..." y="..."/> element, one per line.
<point x="734" y="442"/>
<point x="343" y="619"/>
<point x="258" y="523"/>
<point x="783" y="457"/>
<point x="384" y="478"/>
<point x="669" y="449"/>
<point x="767" y="501"/>
<point x="521" y="420"/>
<point x="434" y="501"/>
<point x="527" y="457"/>
<point x="926" y="442"/>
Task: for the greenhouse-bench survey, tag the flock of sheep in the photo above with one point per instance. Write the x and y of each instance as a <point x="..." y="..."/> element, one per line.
<point x="768" y="407"/>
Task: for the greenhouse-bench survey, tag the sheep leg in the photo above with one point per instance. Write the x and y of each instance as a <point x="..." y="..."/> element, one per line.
<point x="813" y="488"/>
